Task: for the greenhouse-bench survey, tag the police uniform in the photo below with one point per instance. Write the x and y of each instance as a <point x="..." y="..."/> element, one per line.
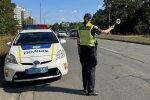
<point x="87" y="53"/>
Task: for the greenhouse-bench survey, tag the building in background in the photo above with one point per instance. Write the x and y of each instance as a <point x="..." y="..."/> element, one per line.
<point x="22" y="16"/>
<point x="17" y="14"/>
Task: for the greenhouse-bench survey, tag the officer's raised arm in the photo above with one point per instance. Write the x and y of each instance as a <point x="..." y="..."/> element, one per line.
<point x="106" y="31"/>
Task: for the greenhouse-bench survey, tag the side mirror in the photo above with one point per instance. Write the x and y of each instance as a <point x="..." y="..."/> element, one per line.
<point x="8" y="44"/>
<point x="62" y="41"/>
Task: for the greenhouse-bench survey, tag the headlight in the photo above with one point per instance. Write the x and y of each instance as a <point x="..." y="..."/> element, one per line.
<point x="60" y="54"/>
<point x="11" y="59"/>
<point x="6" y="71"/>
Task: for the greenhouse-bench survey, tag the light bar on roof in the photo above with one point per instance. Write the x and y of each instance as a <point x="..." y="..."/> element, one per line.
<point x="36" y="26"/>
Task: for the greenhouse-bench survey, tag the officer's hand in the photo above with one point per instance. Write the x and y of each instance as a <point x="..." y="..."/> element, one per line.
<point x="112" y="27"/>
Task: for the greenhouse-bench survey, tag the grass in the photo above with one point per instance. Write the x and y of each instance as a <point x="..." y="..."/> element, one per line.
<point x="129" y="38"/>
<point x="3" y="48"/>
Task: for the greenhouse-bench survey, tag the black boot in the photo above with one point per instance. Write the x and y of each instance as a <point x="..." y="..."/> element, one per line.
<point x="93" y="93"/>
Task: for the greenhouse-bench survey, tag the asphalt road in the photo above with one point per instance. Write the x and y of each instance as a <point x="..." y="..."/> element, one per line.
<point x="123" y="73"/>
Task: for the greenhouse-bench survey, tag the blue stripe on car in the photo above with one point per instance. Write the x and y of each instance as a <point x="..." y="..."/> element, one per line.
<point x="40" y="46"/>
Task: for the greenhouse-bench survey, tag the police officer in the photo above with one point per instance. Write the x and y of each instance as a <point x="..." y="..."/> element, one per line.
<point x="87" y="46"/>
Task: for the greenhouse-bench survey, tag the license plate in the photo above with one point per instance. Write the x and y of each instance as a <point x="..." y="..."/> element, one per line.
<point x="37" y="70"/>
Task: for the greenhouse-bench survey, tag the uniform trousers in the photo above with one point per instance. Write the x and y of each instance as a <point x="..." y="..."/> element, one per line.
<point x="88" y="61"/>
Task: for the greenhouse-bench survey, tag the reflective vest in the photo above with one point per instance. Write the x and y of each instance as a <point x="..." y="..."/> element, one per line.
<point x="85" y="35"/>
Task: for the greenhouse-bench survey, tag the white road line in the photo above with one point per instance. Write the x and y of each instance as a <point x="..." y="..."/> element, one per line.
<point x="109" y="50"/>
<point x="124" y="55"/>
<point x="12" y="98"/>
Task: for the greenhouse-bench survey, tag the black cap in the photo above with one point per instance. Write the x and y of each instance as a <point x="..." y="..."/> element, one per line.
<point x="88" y="15"/>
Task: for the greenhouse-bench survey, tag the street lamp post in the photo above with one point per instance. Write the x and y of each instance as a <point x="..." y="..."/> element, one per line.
<point x="43" y="20"/>
<point x="40" y="12"/>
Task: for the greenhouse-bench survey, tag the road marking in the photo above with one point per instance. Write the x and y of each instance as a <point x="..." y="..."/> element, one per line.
<point x="109" y="50"/>
<point x="124" y="55"/>
<point x="12" y="98"/>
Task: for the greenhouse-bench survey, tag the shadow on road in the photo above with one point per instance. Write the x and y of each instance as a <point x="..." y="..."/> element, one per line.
<point x="48" y="88"/>
<point x="40" y="86"/>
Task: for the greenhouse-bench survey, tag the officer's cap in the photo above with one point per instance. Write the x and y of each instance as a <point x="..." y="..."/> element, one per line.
<point x="88" y="15"/>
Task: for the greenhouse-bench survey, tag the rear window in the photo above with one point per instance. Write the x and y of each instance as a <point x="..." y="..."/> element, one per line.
<point x="36" y="38"/>
<point x="62" y="32"/>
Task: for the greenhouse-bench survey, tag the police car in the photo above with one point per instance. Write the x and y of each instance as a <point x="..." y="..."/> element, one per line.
<point x="35" y="54"/>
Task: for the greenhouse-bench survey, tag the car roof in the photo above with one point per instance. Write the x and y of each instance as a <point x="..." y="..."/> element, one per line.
<point x="36" y="30"/>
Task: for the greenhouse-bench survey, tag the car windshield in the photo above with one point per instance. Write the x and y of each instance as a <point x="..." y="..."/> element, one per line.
<point x="73" y="30"/>
<point x="36" y="38"/>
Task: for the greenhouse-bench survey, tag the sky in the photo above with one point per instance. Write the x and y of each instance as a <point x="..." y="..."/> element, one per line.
<point x="53" y="11"/>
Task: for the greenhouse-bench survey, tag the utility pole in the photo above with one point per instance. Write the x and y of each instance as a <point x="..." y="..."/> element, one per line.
<point x="40" y="12"/>
<point x="109" y="15"/>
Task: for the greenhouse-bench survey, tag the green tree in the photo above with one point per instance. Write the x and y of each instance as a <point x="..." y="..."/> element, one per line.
<point x="100" y="18"/>
<point x="142" y="17"/>
<point x="134" y="15"/>
<point x="55" y="27"/>
<point x="7" y="21"/>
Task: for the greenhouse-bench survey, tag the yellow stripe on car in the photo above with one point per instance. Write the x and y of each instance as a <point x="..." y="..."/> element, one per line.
<point x="19" y="53"/>
<point x="52" y="53"/>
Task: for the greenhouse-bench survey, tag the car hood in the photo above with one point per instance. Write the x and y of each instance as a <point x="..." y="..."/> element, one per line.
<point x="40" y="50"/>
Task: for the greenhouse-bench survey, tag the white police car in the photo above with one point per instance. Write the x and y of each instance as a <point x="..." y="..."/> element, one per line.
<point x="35" y="55"/>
